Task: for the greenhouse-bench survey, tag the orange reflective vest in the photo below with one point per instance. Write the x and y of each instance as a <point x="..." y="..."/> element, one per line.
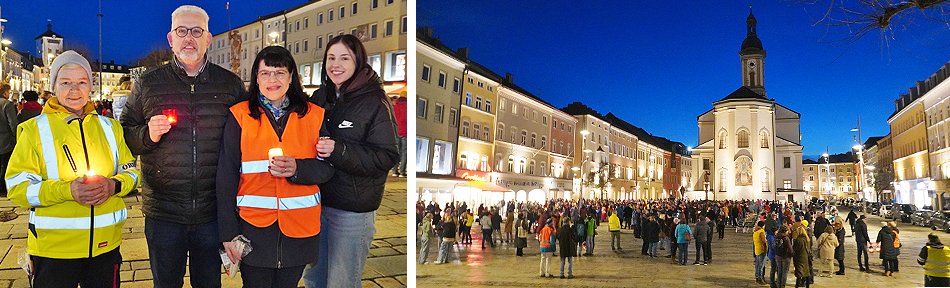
<point x="264" y="199"/>
<point x="545" y="236"/>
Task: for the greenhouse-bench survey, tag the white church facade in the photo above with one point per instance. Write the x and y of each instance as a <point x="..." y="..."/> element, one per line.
<point x="749" y="145"/>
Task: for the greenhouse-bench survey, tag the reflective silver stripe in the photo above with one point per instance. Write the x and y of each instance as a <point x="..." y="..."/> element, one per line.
<point x="938" y="263"/>
<point x="299" y="202"/>
<point x="106" y="126"/>
<point x="48" y="146"/>
<point x="259" y="166"/>
<point x="104" y="220"/>
<point x="937" y="270"/>
<point x="32" y="190"/>
<point x="255" y="201"/>
<point x="267" y="202"/>
<point x="134" y="177"/>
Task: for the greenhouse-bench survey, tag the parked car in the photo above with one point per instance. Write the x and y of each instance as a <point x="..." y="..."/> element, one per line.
<point x="940" y="221"/>
<point x="922" y="218"/>
<point x="903" y="212"/>
<point x="873" y="208"/>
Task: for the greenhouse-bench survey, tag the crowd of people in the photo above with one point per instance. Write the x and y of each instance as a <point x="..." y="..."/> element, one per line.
<point x="797" y="236"/>
<point x="216" y="160"/>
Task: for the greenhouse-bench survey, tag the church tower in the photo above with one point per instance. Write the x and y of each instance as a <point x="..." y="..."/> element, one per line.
<point x="752" y="57"/>
<point x="49" y="45"/>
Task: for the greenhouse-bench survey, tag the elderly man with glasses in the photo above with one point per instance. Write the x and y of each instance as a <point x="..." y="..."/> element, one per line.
<point x="174" y="119"/>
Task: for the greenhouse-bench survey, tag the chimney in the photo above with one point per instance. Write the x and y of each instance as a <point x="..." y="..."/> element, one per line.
<point x="509" y="78"/>
<point x="463" y="52"/>
<point x="426" y="31"/>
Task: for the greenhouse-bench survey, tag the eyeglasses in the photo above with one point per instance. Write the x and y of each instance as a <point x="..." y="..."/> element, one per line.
<point x="195" y="31"/>
<point x="281" y="75"/>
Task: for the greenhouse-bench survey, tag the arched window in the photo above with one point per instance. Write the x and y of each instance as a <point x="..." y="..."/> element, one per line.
<point x="521" y="166"/>
<point x="544" y="141"/>
<point x="722" y="180"/>
<point x="486" y="133"/>
<point x="465" y="128"/>
<point x="534" y="140"/>
<point x="511" y="163"/>
<point x="742" y="139"/>
<point x="476" y="131"/>
<point x="524" y="137"/>
<point x="764" y="139"/>
<point x="463" y="161"/>
<point x="500" y="131"/>
<point x="514" y="130"/>
<point x="544" y="167"/>
<point x="531" y="168"/>
<point x="722" y="140"/>
<point x="484" y="163"/>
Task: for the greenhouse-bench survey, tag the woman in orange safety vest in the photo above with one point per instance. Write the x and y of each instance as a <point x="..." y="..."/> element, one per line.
<point x="271" y="196"/>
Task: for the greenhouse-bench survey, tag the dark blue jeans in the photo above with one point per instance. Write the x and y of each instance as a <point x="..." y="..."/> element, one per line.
<point x="683" y="252"/>
<point x="169" y="247"/>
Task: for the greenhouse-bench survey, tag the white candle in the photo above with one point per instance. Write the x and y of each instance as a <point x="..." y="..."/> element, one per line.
<point x="274" y="152"/>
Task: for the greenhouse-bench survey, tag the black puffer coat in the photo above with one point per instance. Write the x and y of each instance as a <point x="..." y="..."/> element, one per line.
<point x="362" y="123"/>
<point x="180" y="169"/>
<point x="886" y="238"/>
<point x="839" y="251"/>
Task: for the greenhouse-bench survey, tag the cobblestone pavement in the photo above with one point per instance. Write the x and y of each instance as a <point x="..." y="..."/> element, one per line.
<point x="385" y="266"/>
<point x="732" y="264"/>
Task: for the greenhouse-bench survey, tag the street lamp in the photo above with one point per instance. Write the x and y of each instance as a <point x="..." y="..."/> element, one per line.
<point x="3" y="60"/>
<point x="583" y="159"/>
<point x="828" y="170"/>
<point x="650" y="180"/>
<point x="860" y="147"/>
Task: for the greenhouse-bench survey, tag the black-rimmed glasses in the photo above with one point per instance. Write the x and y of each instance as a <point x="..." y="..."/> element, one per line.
<point x="195" y="31"/>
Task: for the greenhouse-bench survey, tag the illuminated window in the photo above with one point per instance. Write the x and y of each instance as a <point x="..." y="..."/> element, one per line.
<point x="743" y="139"/>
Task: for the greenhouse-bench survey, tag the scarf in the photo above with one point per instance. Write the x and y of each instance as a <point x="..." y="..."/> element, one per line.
<point x="277" y="111"/>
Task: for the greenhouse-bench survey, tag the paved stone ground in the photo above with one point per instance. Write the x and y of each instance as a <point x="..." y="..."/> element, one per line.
<point x="732" y="264"/>
<point x="385" y="266"/>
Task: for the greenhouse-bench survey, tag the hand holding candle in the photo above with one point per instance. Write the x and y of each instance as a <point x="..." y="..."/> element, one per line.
<point x="281" y="166"/>
<point x="89" y="189"/>
<point x="171" y="115"/>
<point x="91" y="177"/>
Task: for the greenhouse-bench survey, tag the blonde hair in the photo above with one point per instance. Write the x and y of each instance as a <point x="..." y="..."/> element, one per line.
<point x="127" y="85"/>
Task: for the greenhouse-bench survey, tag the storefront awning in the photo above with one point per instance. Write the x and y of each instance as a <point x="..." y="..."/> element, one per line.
<point x="486" y="186"/>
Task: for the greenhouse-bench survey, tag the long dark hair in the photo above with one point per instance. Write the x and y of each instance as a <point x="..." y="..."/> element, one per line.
<point x="359" y="56"/>
<point x="277" y="56"/>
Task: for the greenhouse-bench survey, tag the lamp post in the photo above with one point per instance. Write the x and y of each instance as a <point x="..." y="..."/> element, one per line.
<point x="828" y="170"/>
<point x="650" y="182"/>
<point x="860" y="147"/>
<point x="583" y="159"/>
<point x="3" y="60"/>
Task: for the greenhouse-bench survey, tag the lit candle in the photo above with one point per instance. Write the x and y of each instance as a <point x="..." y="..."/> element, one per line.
<point x="274" y="152"/>
<point x="91" y="177"/>
<point x="171" y="115"/>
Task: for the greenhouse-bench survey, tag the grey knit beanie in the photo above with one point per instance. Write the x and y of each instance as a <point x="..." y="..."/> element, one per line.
<point x="67" y="58"/>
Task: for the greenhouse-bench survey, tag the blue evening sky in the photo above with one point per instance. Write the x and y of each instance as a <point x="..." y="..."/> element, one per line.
<point x="660" y="64"/>
<point x="130" y="29"/>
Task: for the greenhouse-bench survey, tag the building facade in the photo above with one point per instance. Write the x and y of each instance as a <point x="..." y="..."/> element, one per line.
<point x="912" y="182"/>
<point x="437" y="118"/>
<point x="750" y="145"/>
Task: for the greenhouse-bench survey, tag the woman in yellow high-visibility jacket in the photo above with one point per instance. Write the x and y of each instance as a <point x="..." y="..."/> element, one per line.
<point x="71" y="167"/>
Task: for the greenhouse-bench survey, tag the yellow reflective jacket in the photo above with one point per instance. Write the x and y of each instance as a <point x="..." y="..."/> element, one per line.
<point x="40" y="173"/>
<point x="614" y="222"/>
<point x="938" y="262"/>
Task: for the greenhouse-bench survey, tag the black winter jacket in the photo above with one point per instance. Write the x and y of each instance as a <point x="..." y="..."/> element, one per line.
<point x="180" y="169"/>
<point x="362" y="123"/>
<point x="8" y="123"/>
